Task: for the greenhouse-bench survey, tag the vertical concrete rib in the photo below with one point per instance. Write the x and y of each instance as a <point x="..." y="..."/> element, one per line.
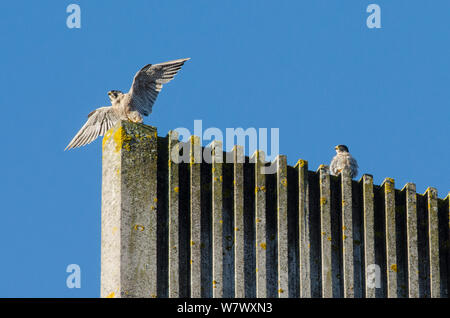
<point x="282" y="230"/>
<point x="195" y="233"/>
<point x="128" y="247"/>
<point x="445" y="228"/>
<point x="260" y="225"/>
<point x="162" y="220"/>
<point x="325" y="228"/>
<point x="174" y="190"/>
<point x="391" y="244"/>
<point x="423" y="246"/>
<point x="369" y="236"/>
<point x="433" y="243"/>
<point x="358" y="238"/>
<point x="228" y="230"/>
<point x="347" y="234"/>
<point x="293" y="232"/>
<point x="217" y="218"/>
<point x="239" y="256"/>
<point x="304" y="235"/>
<point x="151" y="174"/>
<point x="411" y="239"/>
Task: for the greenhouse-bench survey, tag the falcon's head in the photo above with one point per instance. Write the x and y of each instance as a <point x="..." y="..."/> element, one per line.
<point x="113" y="95"/>
<point x="341" y="149"/>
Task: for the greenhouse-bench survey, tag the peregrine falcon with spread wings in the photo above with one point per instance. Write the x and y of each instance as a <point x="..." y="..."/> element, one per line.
<point x="343" y="160"/>
<point x="131" y="106"/>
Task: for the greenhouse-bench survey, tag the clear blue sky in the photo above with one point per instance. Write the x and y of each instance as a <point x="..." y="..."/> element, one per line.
<point x="311" y="68"/>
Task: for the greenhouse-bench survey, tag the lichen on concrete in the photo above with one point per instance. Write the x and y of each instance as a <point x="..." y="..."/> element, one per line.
<point x="128" y="190"/>
<point x="129" y="225"/>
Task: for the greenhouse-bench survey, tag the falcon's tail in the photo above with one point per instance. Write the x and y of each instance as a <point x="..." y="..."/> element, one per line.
<point x="98" y="123"/>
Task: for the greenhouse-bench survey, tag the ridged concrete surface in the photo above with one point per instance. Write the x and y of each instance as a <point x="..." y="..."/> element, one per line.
<point x="226" y="229"/>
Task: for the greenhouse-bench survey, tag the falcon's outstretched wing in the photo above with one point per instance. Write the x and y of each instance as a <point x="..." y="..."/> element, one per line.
<point x="98" y="123"/>
<point x="149" y="80"/>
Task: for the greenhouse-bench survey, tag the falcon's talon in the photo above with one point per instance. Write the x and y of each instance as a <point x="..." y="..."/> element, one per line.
<point x="131" y="106"/>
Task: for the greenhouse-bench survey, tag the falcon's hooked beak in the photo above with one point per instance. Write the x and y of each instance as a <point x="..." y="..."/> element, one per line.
<point x="113" y="95"/>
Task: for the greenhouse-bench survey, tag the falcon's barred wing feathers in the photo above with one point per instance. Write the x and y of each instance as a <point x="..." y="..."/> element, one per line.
<point x="98" y="123"/>
<point x="148" y="82"/>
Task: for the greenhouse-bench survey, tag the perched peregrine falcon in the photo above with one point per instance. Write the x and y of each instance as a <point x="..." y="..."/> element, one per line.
<point x="343" y="159"/>
<point x="131" y="106"/>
